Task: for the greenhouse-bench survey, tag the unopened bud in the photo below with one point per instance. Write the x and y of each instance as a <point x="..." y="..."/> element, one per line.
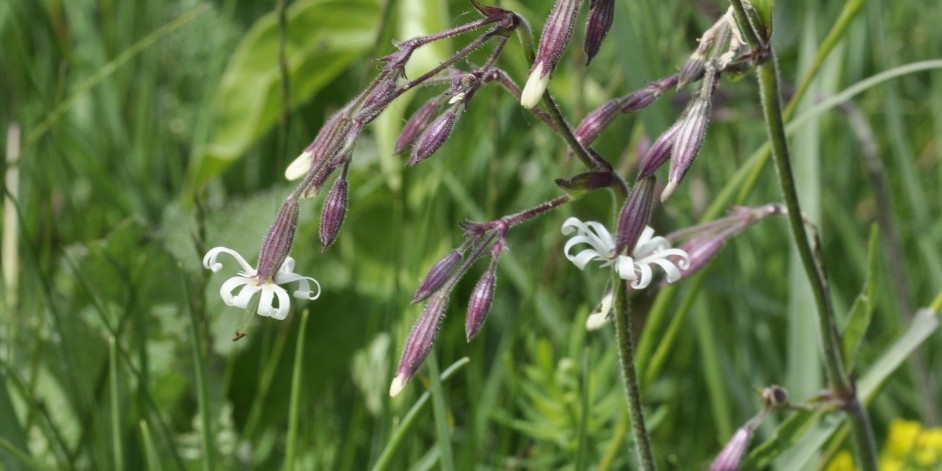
<point x="420" y="341"/>
<point x="601" y="15"/>
<point x="333" y="136"/>
<point x="596" y="122"/>
<point x="692" y="70"/>
<point x="690" y="134"/>
<point x="480" y="303"/>
<point x="602" y="314"/>
<point x="278" y="241"/>
<point x="556" y="34"/>
<point x="587" y="181"/>
<point x="434" y="136"/>
<point x="334" y="211"/>
<point x="634" y="215"/>
<point x="416" y="124"/>
<point x="774" y="397"/>
<point x="731" y="457"/>
<point x="657" y="154"/>
<point x="440" y="272"/>
<point x="639" y="100"/>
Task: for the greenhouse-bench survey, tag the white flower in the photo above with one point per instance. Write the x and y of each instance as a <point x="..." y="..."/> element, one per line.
<point x="636" y="268"/>
<point x="250" y="283"/>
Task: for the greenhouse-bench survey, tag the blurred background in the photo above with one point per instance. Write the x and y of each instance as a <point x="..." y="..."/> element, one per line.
<point x="137" y="135"/>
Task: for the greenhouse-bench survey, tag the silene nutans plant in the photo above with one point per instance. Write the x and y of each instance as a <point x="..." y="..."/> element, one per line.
<point x="656" y="264"/>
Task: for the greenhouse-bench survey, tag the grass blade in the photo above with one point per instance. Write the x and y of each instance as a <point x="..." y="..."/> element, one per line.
<point x="292" y="445"/>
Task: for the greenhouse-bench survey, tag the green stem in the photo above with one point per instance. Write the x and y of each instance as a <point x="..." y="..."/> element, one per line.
<point x="629" y="376"/>
<point x="827" y="322"/>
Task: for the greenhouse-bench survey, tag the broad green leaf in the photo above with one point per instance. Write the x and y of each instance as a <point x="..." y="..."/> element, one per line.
<point x="324" y="37"/>
<point x="798" y="434"/>
<point x="858" y="319"/>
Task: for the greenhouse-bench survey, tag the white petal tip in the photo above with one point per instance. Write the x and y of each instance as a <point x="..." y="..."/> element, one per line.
<point x="597" y="321"/>
<point x="398" y="384"/>
<point x="536" y="85"/>
<point x="299" y="166"/>
<point x="668" y="190"/>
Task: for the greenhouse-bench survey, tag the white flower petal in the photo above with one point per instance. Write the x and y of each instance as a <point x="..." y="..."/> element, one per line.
<point x="245" y="295"/>
<point x="284" y="303"/>
<point x="209" y="261"/>
<point x="304" y="285"/>
<point x="225" y="292"/>
<point x="583" y="258"/>
<point x="646" y="276"/>
<point x="671" y="272"/>
<point x="625" y="267"/>
<point x="264" y="302"/>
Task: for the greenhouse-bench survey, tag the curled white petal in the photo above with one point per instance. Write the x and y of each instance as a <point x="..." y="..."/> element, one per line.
<point x="637" y="268"/>
<point x="225" y="292"/>
<point x="274" y="301"/>
<point x="210" y="262"/>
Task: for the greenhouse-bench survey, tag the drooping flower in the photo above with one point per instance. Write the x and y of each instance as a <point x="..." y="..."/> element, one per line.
<point x="270" y="287"/>
<point x="649" y="250"/>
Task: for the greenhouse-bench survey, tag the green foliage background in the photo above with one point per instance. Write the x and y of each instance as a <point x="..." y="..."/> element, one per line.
<point x="152" y="131"/>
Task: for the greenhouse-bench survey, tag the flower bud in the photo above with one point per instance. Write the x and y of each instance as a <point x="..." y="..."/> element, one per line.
<point x="420" y="341"/>
<point x="657" y="154"/>
<point x="601" y="14"/>
<point x="278" y="241"/>
<point x="556" y="34"/>
<point x="692" y="70"/>
<point x="596" y="121"/>
<point x="587" y="181"/>
<point x="634" y="215"/>
<point x="639" y="100"/>
<point x="416" y="124"/>
<point x="434" y="136"/>
<point x="334" y="211"/>
<point x="333" y="136"/>
<point x="440" y="272"/>
<point x="480" y="303"/>
<point x="731" y="457"/>
<point x="690" y="134"/>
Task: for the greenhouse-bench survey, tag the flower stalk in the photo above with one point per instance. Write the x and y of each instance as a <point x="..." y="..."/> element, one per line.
<point x="767" y="73"/>
<point x="629" y="375"/>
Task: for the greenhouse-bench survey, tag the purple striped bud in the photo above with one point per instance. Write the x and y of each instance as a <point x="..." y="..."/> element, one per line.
<point x="334" y="211"/>
<point x="416" y="124"/>
<point x="440" y="272"/>
<point x="690" y="134"/>
<point x="731" y="457"/>
<point x="705" y="241"/>
<point x="665" y="83"/>
<point x="657" y="154"/>
<point x="480" y="303"/>
<point x="434" y="136"/>
<point x="278" y="241"/>
<point x="692" y="70"/>
<point x="595" y="122"/>
<point x="336" y="134"/>
<point x="634" y="215"/>
<point x="639" y="100"/>
<point x="420" y="341"/>
<point x="556" y="34"/>
<point x="601" y="15"/>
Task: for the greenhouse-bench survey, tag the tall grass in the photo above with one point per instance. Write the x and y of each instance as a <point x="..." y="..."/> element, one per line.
<point x="143" y="144"/>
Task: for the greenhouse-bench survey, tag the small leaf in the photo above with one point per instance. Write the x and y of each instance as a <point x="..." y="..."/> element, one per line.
<point x="858" y="319"/>
<point x="764" y="13"/>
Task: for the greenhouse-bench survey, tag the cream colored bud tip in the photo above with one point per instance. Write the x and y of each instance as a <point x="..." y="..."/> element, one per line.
<point x="398" y="384"/>
<point x="299" y="167"/>
<point x="597" y="321"/>
<point x="536" y="85"/>
<point x="668" y="190"/>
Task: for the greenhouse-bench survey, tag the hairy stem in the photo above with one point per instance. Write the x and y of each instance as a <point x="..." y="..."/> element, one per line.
<point x="629" y="375"/>
<point x="827" y="323"/>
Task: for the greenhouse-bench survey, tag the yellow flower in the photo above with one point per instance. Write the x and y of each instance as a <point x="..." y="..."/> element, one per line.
<point x="902" y="438"/>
